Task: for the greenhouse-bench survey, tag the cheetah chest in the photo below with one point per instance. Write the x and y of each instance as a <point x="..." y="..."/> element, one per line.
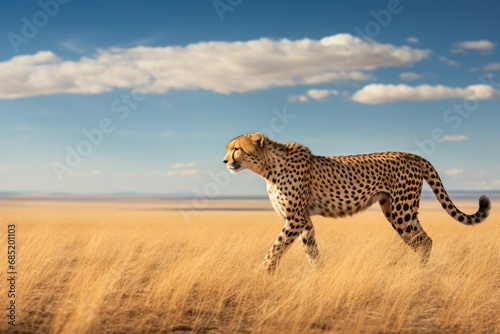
<point x="277" y="198"/>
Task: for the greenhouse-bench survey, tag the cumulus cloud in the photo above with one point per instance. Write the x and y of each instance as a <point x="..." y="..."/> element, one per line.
<point x="321" y="94"/>
<point x="381" y="93"/>
<point x="412" y="40"/>
<point x="482" y="46"/>
<point x="315" y="94"/>
<point x="222" y="67"/>
<point x="410" y="76"/>
<point x="454" y="138"/>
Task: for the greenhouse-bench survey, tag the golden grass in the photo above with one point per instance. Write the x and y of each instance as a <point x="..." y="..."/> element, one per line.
<point x="107" y="267"/>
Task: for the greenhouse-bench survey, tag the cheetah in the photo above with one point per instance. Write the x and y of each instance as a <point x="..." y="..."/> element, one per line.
<point x="301" y="185"/>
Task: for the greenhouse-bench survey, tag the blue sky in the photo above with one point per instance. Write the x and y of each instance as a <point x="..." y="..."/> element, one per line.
<point x="142" y="96"/>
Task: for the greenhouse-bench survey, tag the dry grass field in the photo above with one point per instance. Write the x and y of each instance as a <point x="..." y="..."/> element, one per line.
<point x="133" y="266"/>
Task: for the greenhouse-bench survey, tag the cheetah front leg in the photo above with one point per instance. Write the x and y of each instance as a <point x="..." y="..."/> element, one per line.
<point x="287" y="236"/>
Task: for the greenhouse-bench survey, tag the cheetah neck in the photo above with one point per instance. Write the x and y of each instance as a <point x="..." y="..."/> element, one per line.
<point x="274" y="161"/>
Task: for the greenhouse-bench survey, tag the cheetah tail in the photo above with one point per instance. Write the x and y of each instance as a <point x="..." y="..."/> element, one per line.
<point x="432" y="178"/>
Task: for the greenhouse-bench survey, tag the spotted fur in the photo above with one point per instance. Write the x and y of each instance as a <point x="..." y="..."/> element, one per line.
<point x="301" y="185"/>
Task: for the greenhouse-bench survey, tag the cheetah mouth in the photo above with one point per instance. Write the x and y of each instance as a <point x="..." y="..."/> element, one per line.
<point x="234" y="168"/>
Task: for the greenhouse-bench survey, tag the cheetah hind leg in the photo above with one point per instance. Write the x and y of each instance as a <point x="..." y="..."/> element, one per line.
<point x="308" y="241"/>
<point x="422" y="243"/>
<point x="410" y="231"/>
<point x="414" y="235"/>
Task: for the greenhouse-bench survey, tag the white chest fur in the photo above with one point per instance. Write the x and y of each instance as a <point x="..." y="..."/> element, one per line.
<point x="276" y="197"/>
<point x="272" y="190"/>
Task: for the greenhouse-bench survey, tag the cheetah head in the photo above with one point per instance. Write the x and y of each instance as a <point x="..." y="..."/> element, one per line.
<point x="244" y="152"/>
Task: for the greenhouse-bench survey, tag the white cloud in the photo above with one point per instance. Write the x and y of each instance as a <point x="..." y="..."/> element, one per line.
<point x="72" y="45"/>
<point x="321" y="94"/>
<point x="412" y="40"/>
<point x="453" y="172"/>
<point x="222" y="67"/>
<point x="482" y="92"/>
<point x="454" y="138"/>
<point x="297" y="98"/>
<point x="315" y="94"/>
<point x="180" y="169"/>
<point x="449" y="62"/>
<point x="409" y="76"/>
<point x="492" y="67"/>
<point x="457" y="51"/>
<point x="381" y="93"/>
<point x="483" y="46"/>
<point x="178" y="165"/>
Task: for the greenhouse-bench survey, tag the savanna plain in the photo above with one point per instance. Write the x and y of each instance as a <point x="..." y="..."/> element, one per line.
<point x="154" y="265"/>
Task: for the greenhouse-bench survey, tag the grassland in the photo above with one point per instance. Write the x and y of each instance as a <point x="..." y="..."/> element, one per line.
<point x="134" y="267"/>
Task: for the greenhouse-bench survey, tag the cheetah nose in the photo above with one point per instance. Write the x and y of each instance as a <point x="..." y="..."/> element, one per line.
<point x="225" y="161"/>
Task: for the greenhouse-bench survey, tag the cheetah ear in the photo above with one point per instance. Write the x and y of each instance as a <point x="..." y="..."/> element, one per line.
<point x="258" y="139"/>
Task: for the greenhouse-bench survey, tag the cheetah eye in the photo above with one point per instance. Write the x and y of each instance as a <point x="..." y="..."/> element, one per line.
<point x="239" y="149"/>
